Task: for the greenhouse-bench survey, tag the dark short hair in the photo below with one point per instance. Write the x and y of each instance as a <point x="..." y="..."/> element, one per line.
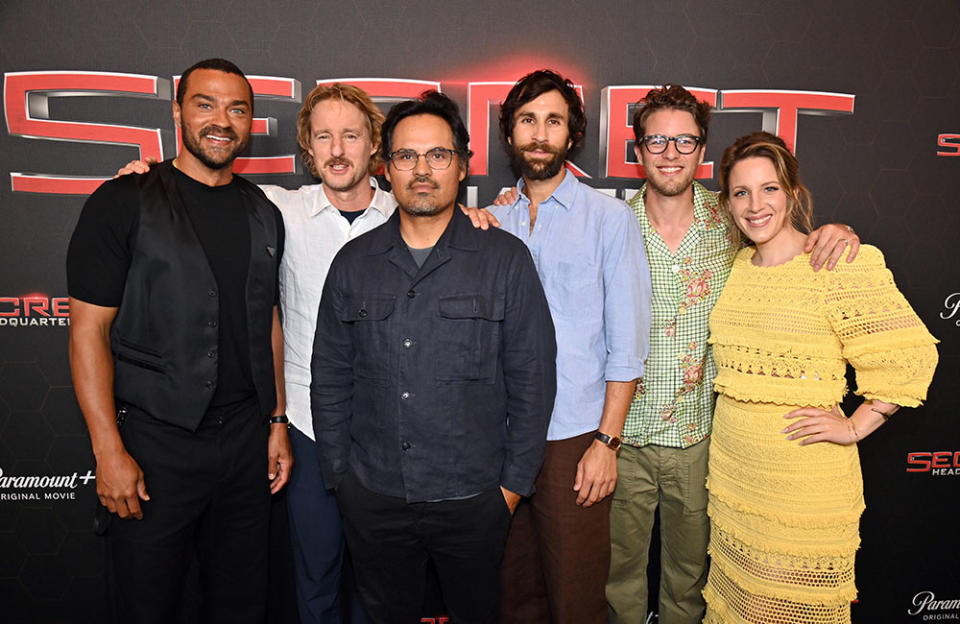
<point x="428" y="103"/>
<point x="670" y="97"/>
<point x="532" y="86"/>
<point x="217" y="64"/>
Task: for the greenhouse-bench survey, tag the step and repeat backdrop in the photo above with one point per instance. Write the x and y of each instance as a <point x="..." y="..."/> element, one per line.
<point x="867" y="93"/>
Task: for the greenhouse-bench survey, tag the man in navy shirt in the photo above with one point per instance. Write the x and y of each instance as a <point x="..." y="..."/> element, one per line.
<point x="433" y="380"/>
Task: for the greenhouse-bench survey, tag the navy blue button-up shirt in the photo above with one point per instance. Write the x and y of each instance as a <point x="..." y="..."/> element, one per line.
<point x="435" y="382"/>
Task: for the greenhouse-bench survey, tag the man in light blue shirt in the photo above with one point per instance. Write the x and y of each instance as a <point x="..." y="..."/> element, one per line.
<point x="590" y="256"/>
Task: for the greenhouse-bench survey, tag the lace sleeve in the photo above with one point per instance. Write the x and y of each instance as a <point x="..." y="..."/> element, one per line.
<point x="881" y="336"/>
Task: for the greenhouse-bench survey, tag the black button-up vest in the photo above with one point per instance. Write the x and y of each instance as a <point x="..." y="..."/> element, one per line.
<point x="167" y="321"/>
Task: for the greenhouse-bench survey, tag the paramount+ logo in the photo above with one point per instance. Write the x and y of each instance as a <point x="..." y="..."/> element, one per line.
<point x="34" y="310"/>
<point x="43" y="487"/>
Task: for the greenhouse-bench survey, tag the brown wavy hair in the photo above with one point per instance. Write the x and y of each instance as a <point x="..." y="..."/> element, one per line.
<point x="771" y="147"/>
<point x="670" y="97"/>
<point x="346" y="93"/>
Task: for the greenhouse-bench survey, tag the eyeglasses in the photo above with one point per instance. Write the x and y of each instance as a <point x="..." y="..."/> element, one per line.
<point x="685" y="143"/>
<point x="437" y="158"/>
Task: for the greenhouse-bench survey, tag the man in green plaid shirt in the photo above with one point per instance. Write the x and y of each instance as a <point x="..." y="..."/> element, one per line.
<point x="663" y="460"/>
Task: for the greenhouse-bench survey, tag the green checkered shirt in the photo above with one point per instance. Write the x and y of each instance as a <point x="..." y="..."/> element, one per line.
<point x="674" y="401"/>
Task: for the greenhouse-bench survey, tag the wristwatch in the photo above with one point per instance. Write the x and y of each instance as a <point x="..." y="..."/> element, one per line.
<point x="279" y="420"/>
<point x="612" y="442"/>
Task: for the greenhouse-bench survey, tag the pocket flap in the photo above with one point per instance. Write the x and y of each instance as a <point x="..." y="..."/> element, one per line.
<point x="471" y="306"/>
<point x="368" y="308"/>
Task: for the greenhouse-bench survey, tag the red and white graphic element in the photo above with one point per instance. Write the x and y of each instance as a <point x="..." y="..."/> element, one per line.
<point x="482" y="97"/>
<point x="34" y="304"/>
<point x="270" y="88"/>
<point x="616" y="129"/>
<point x="26" y="95"/>
<point x="781" y="109"/>
<point x="938" y="463"/>
<point x="951" y="143"/>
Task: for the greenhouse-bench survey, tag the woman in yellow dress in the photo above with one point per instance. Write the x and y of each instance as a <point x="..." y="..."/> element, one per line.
<point x="785" y="488"/>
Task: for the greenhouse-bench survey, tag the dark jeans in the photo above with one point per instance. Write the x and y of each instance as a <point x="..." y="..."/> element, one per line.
<point x="209" y="498"/>
<point x="317" y="539"/>
<point x="558" y="553"/>
<point x="391" y="542"/>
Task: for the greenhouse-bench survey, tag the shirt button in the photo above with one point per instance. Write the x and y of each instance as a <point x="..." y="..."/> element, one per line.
<point x="404" y="395"/>
<point x="411" y="294"/>
<point x="405" y="445"/>
<point x="407" y="343"/>
<point x="362" y="313"/>
<point x="212" y="323"/>
<point x="212" y="293"/>
<point x="211" y="354"/>
<point x="208" y="384"/>
<point x="675" y="268"/>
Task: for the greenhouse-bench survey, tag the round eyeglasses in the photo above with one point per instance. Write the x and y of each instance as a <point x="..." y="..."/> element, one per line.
<point x="437" y="158"/>
<point x="685" y="143"/>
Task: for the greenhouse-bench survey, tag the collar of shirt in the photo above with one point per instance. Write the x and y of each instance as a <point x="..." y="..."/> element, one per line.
<point x="706" y="216"/>
<point x="459" y="234"/>
<point x="565" y="194"/>
<point x="382" y="201"/>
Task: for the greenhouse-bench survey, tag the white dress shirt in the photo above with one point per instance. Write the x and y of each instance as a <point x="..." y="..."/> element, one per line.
<point x="315" y="232"/>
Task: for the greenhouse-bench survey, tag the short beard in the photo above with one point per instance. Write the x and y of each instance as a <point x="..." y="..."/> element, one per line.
<point x="194" y="147"/>
<point x="541" y="169"/>
<point x="424" y="208"/>
<point x="679" y="188"/>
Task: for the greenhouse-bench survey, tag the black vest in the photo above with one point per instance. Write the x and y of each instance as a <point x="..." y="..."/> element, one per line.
<point x="165" y="338"/>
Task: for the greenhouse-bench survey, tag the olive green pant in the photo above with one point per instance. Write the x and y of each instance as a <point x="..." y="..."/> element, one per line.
<point x="675" y="480"/>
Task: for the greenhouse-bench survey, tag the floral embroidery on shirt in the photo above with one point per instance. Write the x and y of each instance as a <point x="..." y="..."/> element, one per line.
<point x="698" y="287"/>
<point x="714" y="216"/>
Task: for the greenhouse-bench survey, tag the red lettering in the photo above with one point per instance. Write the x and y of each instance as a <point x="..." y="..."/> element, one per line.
<point x="13" y="310"/>
<point x="941" y="459"/>
<point x="918" y="459"/>
<point x="949" y="141"/>
<point x="781" y="109"/>
<point x="616" y="130"/>
<point x="36" y="304"/>
<point x="27" y="115"/>
<point x="60" y="306"/>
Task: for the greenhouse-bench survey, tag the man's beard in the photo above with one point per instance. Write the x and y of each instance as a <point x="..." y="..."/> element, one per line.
<point x="421" y="206"/>
<point x="673" y="187"/>
<point x="193" y="146"/>
<point x="537" y="169"/>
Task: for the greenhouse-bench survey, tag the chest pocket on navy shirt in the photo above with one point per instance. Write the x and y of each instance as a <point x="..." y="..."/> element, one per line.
<point x="369" y="316"/>
<point x="468" y="335"/>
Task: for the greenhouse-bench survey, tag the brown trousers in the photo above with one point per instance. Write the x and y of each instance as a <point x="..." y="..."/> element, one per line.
<point x="558" y="553"/>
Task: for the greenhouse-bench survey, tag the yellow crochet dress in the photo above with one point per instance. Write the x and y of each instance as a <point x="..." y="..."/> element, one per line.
<point x="785" y="518"/>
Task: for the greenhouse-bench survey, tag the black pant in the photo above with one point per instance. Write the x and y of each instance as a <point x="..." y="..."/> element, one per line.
<point x="209" y="498"/>
<point x="391" y="542"/>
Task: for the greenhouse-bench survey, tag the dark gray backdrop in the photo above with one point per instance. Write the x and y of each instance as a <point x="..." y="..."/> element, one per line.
<point x="877" y="169"/>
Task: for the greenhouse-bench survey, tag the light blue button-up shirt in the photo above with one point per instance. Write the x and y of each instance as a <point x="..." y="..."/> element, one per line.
<point x="589" y="253"/>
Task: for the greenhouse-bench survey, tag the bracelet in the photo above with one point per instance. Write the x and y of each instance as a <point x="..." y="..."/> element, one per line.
<point x="853" y="430"/>
<point x="279" y="420"/>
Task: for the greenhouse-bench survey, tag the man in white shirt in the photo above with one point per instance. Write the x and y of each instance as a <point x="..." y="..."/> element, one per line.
<point x="338" y="130"/>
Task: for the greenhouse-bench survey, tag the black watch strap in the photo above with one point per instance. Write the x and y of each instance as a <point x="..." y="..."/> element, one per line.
<point x="279" y="420"/>
<point x="612" y="442"/>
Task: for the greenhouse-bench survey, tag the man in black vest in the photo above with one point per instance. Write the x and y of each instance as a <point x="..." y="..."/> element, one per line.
<point x="176" y="354"/>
